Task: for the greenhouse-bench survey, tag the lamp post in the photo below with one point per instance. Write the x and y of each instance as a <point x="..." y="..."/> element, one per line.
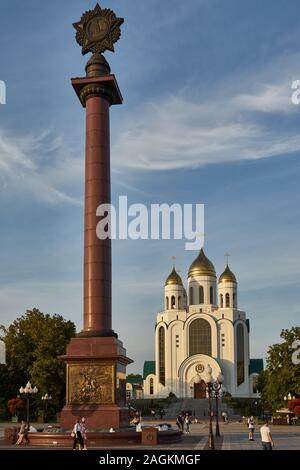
<point x="46" y="398"/>
<point x="209" y="381"/>
<point x="27" y="391"/>
<point x="217" y="392"/>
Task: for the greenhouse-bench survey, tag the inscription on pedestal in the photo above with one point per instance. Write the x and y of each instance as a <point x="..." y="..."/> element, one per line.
<point x="91" y="384"/>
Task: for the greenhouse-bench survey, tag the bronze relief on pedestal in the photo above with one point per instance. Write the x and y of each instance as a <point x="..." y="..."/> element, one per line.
<point x="91" y="384"/>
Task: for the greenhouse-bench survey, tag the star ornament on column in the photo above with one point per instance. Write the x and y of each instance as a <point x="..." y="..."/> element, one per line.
<point x="98" y="30"/>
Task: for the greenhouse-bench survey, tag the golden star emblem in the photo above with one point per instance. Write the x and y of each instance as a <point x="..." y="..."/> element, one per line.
<point x="98" y="30"/>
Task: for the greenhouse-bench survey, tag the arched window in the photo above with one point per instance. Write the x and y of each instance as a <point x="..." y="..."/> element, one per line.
<point x="221" y="301"/>
<point x="227" y="300"/>
<point x="191" y="296"/>
<point x="234" y="300"/>
<point x="161" y="355"/>
<point x="151" y="386"/>
<point x="200" y="337"/>
<point x="172" y="302"/>
<point x="240" y="354"/>
<point x="179" y="301"/>
<point x="201" y="295"/>
<point x="167" y="303"/>
<point x="211" y="295"/>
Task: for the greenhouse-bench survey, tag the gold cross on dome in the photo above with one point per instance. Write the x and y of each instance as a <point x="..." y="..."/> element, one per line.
<point x="227" y="257"/>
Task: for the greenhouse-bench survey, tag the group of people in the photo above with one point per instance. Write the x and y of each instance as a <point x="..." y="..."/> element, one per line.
<point x="160" y="412"/>
<point x="184" y="421"/>
<point x="79" y="434"/>
<point x="265" y="433"/>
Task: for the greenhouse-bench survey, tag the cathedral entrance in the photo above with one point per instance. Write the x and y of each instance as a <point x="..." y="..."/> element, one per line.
<point x="200" y="390"/>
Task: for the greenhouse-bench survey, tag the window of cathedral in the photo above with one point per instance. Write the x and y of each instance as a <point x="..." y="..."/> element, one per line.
<point x="167" y="303"/>
<point x="201" y="295"/>
<point x="211" y="295"/>
<point x="161" y="355"/>
<point x="221" y="301"/>
<point x="240" y="354"/>
<point x="172" y="302"/>
<point x="227" y="300"/>
<point x="200" y="337"/>
<point x="255" y="384"/>
<point x="179" y="301"/>
<point x="151" y="386"/>
<point x="191" y="296"/>
<point x="234" y="300"/>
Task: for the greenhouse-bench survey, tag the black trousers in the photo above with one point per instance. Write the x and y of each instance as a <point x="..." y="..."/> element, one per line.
<point x="78" y="440"/>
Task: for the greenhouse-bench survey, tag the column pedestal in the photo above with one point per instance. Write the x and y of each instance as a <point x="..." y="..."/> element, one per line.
<point x="96" y="383"/>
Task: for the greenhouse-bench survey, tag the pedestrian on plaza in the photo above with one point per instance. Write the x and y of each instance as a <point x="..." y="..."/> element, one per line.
<point x="224" y="416"/>
<point x="77" y="435"/>
<point x="153" y="414"/>
<point x="162" y="413"/>
<point x="23" y="434"/>
<point x="138" y="422"/>
<point x="83" y="433"/>
<point x="251" y="424"/>
<point x="266" y="436"/>
<point x="187" y="423"/>
<point x="180" y="421"/>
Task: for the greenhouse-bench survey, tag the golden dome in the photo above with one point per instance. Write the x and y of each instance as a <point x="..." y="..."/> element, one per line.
<point x="202" y="266"/>
<point x="173" y="279"/>
<point x="227" y="276"/>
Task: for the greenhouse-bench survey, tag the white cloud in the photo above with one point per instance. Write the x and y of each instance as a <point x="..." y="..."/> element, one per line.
<point x="231" y="124"/>
<point x="24" y="168"/>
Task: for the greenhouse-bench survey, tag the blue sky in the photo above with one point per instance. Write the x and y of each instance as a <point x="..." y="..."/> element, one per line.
<point x="207" y="118"/>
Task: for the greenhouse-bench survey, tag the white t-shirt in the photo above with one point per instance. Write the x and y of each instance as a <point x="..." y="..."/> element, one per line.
<point x="251" y="423"/>
<point x="265" y="434"/>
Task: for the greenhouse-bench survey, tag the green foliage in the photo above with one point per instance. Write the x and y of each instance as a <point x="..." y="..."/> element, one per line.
<point x="281" y="375"/>
<point x="33" y="343"/>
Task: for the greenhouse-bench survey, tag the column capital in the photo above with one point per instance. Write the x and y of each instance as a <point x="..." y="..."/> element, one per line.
<point x="105" y="86"/>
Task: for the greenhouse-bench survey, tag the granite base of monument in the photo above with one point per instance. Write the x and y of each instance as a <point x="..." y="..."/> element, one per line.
<point x="96" y="383"/>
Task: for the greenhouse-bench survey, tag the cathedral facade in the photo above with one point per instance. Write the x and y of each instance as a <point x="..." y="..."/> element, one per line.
<point x="201" y="327"/>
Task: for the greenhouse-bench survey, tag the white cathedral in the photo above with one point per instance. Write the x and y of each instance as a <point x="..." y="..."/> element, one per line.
<point x="201" y="329"/>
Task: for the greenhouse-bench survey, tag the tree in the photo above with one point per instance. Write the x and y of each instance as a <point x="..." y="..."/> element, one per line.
<point x="14" y="405"/>
<point x="294" y="406"/>
<point x="281" y="376"/>
<point x="33" y="343"/>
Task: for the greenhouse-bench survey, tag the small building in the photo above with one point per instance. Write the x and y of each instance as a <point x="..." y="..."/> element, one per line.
<point x="134" y="387"/>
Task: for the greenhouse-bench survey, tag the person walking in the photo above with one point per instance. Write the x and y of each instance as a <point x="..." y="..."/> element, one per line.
<point x="83" y="433"/>
<point x="180" y="421"/>
<point x="187" y="423"/>
<point x="76" y="433"/>
<point x="266" y="436"/>
<point x="251" y="424"/>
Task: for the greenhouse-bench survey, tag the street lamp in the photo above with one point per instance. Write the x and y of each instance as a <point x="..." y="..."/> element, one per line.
<point x="217" y="392"/>
<point x="27" y="391"/>
<point x="208" y="381"/>
<point x="46" y="398"/>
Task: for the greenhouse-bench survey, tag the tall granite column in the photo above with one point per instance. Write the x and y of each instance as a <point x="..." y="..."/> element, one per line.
<point x="97" y="97"/>
<point x="96" y="359"/>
